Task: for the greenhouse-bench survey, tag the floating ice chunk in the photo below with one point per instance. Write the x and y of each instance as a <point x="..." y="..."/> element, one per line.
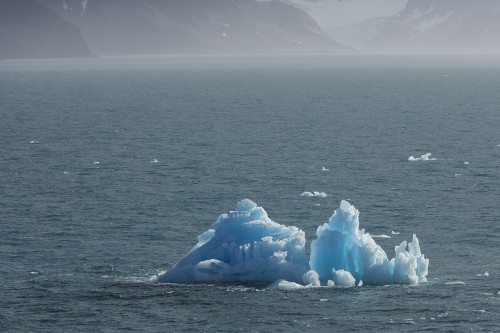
<point x="381" y="236"/>
<point x="34" y="142"/>
<point x="343" y="279"/>
<point x="486" y="274"/>
<point x="342" y="246"/>
<point x="243" y="246"/>
<point x="311" y="278"/>
<point x="466" y="163"/>
<point x="324" y="169"/>
<point x="285" y="285"/>
<point x="394" y="232"/>
<point x="154" y="161"/>
<point x="314" y="194"/>
<point x="425" y="157"/>
<point x="454" y="282"/>
<point x="96" y="163"/>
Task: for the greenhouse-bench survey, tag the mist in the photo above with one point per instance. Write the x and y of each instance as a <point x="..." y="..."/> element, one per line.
<point x="76" y="28"/>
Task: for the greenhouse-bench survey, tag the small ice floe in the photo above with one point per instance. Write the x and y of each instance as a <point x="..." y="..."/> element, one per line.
<point x="454" y="282"/>
<point x="66" y="172"/>
<point x="466" y="163"/>
<point x="314" y="194"/>
<point x="34" y="142"/>
<point x="458" y="174"/>
<point x="486" y="274"/>
<point x="480" y="311"/>
<point x="97" y="162"/>
<point x="394" y="232"/>
<point x="324" y="169"/>
<point x="424" y="157"/>
<point x="323" y="300"/>
<point x="380" y="236"/>
<point x="154" y="161"/>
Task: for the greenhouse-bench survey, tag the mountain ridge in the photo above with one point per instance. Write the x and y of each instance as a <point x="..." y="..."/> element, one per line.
<point x="152" y="27"/>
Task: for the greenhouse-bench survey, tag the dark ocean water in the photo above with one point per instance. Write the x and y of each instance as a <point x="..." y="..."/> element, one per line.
<point x="111" y="167"/>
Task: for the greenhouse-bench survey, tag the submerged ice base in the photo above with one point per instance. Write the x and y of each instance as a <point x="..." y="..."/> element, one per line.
<point x="246" y="246"/>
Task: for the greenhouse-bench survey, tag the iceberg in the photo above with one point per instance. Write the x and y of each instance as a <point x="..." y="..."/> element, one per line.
<point x="341" y="245"/>
<point x="246" y="246"/>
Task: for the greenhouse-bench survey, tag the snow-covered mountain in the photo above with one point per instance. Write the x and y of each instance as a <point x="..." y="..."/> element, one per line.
<point x="194" y="26"/>
<point x="341" y="20"/>
<point x="431" y="26"/>
<point x="29" y="30"/>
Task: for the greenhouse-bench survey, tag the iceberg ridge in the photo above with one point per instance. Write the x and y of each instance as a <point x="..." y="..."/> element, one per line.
<point x="245" y="245"/>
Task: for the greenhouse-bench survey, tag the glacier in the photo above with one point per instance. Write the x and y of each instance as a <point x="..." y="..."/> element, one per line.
<point x="246" y="246"/>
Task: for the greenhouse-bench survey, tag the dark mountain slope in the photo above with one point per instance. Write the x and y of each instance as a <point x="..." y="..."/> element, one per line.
<point x="29" y="30"/>
<point x="194" y="26"/>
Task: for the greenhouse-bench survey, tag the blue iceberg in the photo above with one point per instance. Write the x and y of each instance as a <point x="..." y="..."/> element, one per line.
<point x="243" y="246"/>
<point x="246" y="246"/>
<point x="341" y="245"/>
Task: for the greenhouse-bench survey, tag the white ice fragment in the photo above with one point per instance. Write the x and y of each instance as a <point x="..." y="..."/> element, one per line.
<point x="314" y="194"/>
<point x="485" y="274"/>
<point x="285" y="285"/>
<point x="154" y="161"/>
<point x="394" y="232"/>
<point x="425" y="157"/>
<point x="343" y="279"/>
<point x="324" y="169"/>
<point x="381" y="236"/>
<point x="311" y="278"/>
<point x="96" y="162"/>
<point x="466" y="163"/>
<point x="454" y="282"/>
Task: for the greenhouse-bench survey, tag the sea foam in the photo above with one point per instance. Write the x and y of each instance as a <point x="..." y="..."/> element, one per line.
<point x="245" y="245"/>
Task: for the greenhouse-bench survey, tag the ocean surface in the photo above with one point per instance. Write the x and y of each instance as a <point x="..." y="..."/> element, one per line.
<point x="111" y="167"/>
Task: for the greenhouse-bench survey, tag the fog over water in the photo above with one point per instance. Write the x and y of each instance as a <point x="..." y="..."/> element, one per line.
<point x="69" y="28"/>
